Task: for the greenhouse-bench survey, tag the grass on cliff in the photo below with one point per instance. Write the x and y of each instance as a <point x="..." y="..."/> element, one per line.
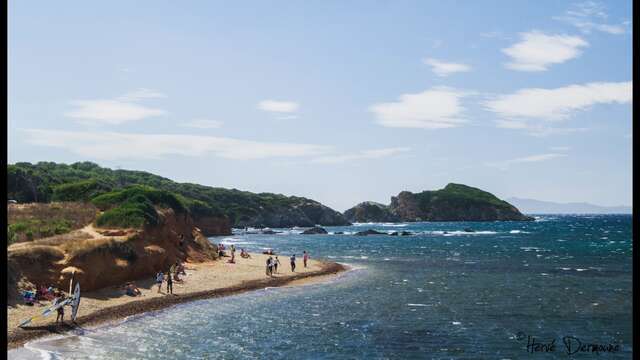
<point x="134" y="206"/>
<point x="28" y="222"/>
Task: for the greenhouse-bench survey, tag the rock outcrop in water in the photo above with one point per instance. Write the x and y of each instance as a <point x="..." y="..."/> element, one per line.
<point x="314" y="230"/>
<point x="456" y="202"/>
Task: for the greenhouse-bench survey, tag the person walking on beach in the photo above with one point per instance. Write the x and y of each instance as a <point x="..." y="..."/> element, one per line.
<point x="305" y="258"/>
<point x="169" y="282"/>
<point x="276" y="262"/>
<point x="269" y="260"/>
<point x="293" y="263"/>
<point x="159" y="280"/>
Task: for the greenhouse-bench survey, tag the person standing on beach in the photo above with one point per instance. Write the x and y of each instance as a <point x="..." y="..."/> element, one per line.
<point x="233" y="254"/>
<point x="269" y="266"/>
<point x="305" y="258"/>
<point x="159" y="280"/>
<point x="276" y="262"/>
<point x="59" y="298"/>
<point x="169" y="282"/>
<point x="293" y="263"/>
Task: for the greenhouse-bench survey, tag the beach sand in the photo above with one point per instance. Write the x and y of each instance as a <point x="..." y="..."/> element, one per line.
<point x="203" y="280"/>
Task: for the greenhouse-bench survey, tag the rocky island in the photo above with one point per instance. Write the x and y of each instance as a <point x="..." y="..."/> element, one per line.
<point x="455" y="202"/>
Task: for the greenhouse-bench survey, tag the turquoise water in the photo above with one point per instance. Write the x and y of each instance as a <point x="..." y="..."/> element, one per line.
<point x="434" y="295"/>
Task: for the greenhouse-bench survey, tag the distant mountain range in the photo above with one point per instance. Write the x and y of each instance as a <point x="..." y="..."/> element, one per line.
<point x="530" y="206"/>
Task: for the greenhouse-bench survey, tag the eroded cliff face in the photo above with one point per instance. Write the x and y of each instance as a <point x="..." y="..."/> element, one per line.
<point x="213" y="225"/>
<point x="405" y="207"/>
<point x="111" y="257"/>
<point x="370" y="211"/>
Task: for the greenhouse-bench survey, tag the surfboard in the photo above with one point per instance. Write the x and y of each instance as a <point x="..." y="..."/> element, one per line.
<point x="75" y="303"/>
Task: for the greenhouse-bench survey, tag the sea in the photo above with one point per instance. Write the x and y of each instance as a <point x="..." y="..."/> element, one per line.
<point x="559" y="287"/>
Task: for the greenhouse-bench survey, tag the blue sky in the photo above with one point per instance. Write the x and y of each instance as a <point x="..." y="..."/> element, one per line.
<point x="338" y="101"/>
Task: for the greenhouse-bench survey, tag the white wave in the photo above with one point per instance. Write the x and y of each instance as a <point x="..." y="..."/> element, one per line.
<point x="420" y="305"/>
<point x="380" y="224"/>
<point x="456" y="322"/>
<point x="460" y="233"/>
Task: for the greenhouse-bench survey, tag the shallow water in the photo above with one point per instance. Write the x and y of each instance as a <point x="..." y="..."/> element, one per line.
<point x="441" y="294"/>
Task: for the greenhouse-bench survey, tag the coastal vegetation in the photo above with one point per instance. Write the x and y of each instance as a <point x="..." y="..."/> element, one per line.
<point x="85" y="181"/>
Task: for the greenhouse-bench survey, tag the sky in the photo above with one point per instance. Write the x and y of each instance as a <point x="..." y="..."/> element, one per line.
<point x="341" y="102"/>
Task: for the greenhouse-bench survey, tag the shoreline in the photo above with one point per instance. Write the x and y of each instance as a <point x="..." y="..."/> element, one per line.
<point x="18" y="337"/>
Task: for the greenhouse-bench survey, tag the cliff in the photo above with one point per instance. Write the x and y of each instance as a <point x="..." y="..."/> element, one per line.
<point x="370" y="211"/>
<point x="106" y="256"/>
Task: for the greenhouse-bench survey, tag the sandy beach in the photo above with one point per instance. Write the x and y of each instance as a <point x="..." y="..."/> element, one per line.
<point x="203" y="280"/>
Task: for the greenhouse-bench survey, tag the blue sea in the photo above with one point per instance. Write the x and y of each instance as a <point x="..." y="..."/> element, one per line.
<point x="443" y="293"/>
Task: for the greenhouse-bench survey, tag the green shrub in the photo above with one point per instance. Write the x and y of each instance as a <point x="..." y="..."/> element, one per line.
<point x="82" y="190"/>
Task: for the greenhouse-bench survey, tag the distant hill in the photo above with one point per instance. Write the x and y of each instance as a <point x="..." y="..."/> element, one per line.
<point x="209" y="206"/>
<point x="456" y="202"/>
<point x="530" y="206"/>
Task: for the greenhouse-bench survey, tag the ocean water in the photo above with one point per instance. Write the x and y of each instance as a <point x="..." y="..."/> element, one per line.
<point x="441" y="294"/>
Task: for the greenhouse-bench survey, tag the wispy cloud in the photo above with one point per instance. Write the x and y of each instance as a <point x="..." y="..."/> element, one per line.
<point x="505" y="164"/>
<point x="278" y="106"/>
<point x="112" y="112"/>
<point x="557" y="104"/>
<point x="362" y="155"/>
<point x="589" y="16"/>
<point x="442" y="68"/>
<point x="560" y="148"/>
<point x="141" y="94"/>
<point x="117" y="145"/>
<point x="203" y="124"/>
<point x="116" y="111"/>
<point x="435" y="108"/>
<point x="537" y="51"/>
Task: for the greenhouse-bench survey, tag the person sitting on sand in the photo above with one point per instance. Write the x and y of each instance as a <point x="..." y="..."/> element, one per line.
<point x="159" y="280"/>
<point x="131" y="290"/>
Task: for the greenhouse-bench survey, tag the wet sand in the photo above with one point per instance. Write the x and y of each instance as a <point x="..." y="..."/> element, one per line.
<point x="203" y="280"/>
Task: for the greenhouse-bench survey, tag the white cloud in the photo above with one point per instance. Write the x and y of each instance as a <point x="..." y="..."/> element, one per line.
<point x="505" y="164"/>
<point x="557" y="104"/>
<point x="141" y="94"/>
<point x="110" y="111"/>
<point x="203" y="124"/>
<point x="435" y="108"/>
<point x="560" y="148"/>
<point x="442" y="68"/>
<point x="536" y="51"/>
<point x="114" y="145"/>
<point x="588" y="16"/>
<point x="366" y="154"/>
<point x="278" y="106"/>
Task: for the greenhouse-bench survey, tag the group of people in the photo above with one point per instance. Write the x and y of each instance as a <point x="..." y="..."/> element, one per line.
<point x="272" y="263"/>
<point x="40" y="293"/>
<point x="173" y="274"/>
